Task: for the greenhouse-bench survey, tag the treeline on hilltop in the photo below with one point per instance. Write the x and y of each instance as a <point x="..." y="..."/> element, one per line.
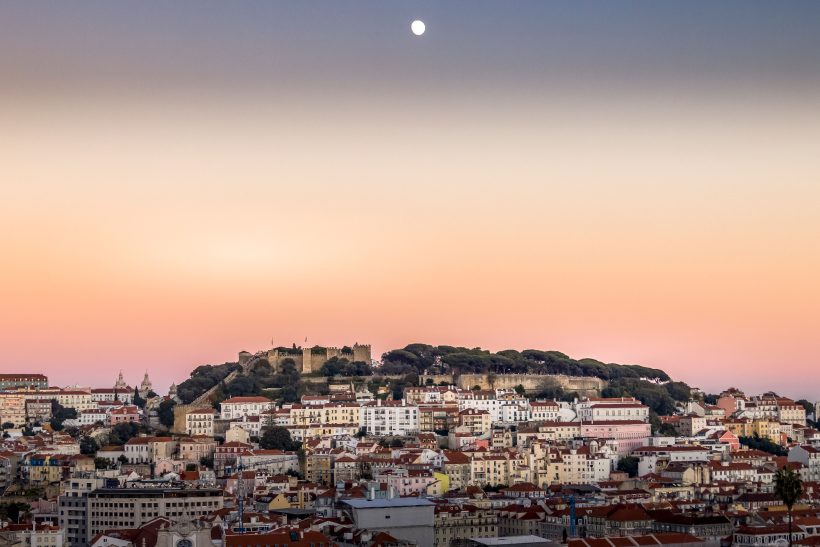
<point x="260" y="377"/>
<point x="424" y="358"/>
<point x="651" y="386"/>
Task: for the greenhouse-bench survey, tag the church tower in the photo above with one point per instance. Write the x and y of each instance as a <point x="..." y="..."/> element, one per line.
<point x="120" y="386"/>
<point x="145" y="386"/>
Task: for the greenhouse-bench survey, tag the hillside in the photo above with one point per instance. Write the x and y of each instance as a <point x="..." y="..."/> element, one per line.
<point x="652" y="386"/>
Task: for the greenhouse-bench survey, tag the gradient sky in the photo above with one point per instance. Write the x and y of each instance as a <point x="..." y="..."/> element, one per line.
<point x="636" y="182"/>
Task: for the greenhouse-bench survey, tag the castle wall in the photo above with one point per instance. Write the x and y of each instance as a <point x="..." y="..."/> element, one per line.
<point x="585" y="385"/>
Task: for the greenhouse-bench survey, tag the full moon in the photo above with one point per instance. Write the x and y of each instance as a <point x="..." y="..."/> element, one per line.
<point x="417" y="27"/>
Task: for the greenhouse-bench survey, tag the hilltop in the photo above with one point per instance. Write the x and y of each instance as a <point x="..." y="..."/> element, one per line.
<point x="256" y="375"/>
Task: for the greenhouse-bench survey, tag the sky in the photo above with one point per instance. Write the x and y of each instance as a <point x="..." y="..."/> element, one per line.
<point x="634" y="182"/>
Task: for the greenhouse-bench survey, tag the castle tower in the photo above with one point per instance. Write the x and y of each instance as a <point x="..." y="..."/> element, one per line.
<point x="145" y="386"/>
<point x="307" y="363"/>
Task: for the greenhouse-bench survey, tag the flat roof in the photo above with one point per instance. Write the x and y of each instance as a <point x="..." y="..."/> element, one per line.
<point x="511" y="540"/>
<point x="385" y="503"/>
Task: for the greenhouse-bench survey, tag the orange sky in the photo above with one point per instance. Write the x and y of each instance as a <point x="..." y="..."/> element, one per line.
<point x="162" y="236"/>
<point x="634" y="183"/>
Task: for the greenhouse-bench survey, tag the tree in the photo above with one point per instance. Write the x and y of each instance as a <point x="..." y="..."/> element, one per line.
<point x="190" y="467"/>
<point x="122" y="433"/>
<point x="59" y="414"/>
<point x="138" y="401"/>
<point x="520" y="389"/>
<point x="277" y="438"/>
<point x="396" y="443"/>
<point x="8" y="425"/>
<point x="13" y="510"/>
<point x="88" y="446"/>
<point x="628" y="465"/>
<point x="101" y="463"/>
<point x="788" y="487"/>
<point x="766" y="445"/>
<point x="165" y="411"/>
<point x="206" y="461"/>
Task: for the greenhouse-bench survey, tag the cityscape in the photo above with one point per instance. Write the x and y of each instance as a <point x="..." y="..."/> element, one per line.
<point x="409" y="273"/>
<point x="455" y="446"/>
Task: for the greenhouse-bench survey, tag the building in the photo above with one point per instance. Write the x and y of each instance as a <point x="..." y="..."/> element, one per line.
<point x="43" y="535"/>
<point x="133" y="507"/>
<point x="307" y="360"/>
<point x="237" y="408"/>
<point x="77" y="399"/>
<point x="475" y="420"/>
<point x="38" y="410"/>
<point x="411" y="519"/>
<point x="463" y="521"/>
<point x="627" y="435"/>
<point x="146" y="450"/>
<point x="389" y="418"/>
<point x="200" y="421"/>
<point x="31" y="381"/>
<point x="195" y="448"/>
<point x="124" y="414"/>
<point x="809" y="456"/>
<point x="73" y="504"/>
<point x="12" y="409"/>
<point x="606" y="411"/>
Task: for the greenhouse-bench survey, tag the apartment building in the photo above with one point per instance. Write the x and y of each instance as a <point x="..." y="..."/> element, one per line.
<point x="237" y="408"/>
<point x="133" y="507"/>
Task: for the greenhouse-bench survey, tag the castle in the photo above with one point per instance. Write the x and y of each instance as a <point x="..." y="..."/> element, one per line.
<point x="307" y="360"/>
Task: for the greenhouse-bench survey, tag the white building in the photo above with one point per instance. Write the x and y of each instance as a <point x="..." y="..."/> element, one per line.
<point x="390" y="418"/>
<point x="237" y="408"/>
<point x="809" y="456"/>
<point x="200" y="421"/>
<point x="602" y="412"/>
<point x="544" y="411"/>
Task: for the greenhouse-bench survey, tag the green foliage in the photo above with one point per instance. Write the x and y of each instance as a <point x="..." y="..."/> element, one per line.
<point x="553" y="391"/>
<point x="788" y="486"/>
<point x="759" y="443"/>
<point x="659" y="398"/>
<point x="711" y="399"/>
<point x="165" y="412"/>
<point x="202" y="379"/>
<point x="520" y="389"/>
<point x="13" y="510"/>
<point x="243" y="386"/>
<point x="8" y="425"/>
<point x="88" y="446"/>
<point x="122" y="433"/>
<point x="396" y="443"/>
<point x="277" y="438"/>
<point x="138" y="401"/>
<point x="102" y="463"/>
<point x="190" y="467"/>
<point x="207" y="462"/>
<point x="476" y="360"/>
<point x="59" y="414"/>
<point x="336" y="366"/>
<point x="628" y="465"/>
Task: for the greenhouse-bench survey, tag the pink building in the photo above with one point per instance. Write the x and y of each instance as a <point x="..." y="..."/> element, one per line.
<point x="124" y="414"/>
<point x="408" y="482"/>
<point x="627" y="434"/>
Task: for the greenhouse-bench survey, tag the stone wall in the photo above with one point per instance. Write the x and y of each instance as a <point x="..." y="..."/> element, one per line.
<point x="587" y="386"/>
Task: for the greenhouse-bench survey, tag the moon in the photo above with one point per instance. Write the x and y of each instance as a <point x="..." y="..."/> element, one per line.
<point x="417" y="27"/>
